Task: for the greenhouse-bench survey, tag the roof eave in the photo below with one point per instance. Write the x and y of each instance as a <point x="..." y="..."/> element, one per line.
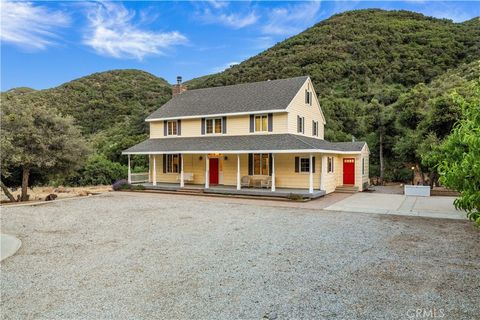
<point x="216" y="115"/>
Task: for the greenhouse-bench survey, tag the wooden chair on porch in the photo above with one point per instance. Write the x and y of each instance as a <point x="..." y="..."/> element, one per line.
<point x="245" y="181"/>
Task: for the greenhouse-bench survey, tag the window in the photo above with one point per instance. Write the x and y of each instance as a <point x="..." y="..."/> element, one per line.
<point x="363" y="166"/>
<point x="260" y="164"/>
<point x="172" y="128"/>
<point x="315" y="128"/>
<point x="304" y="164"/>
<point x="172" y="163"/>
<point x="214" y="125"/>
<point x="300" y="124"/>
<point x="308" y="97"/>
<point x="330" y="162"/>
<point x="261" y="123"/>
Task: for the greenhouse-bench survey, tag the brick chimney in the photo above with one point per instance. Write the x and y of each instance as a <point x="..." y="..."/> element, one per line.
<point x="179" y="87"/>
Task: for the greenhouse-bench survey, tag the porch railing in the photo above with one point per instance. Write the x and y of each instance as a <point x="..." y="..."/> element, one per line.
<point x="139" y="177"/>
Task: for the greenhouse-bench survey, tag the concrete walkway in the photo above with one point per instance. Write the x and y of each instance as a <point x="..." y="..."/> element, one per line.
<point x="433" y="207"/>
<point x="8" y="246"/>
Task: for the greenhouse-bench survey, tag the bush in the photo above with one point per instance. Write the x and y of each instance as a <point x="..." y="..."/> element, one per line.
<point x="98" y="171"/>
<point x="124" y="185"/>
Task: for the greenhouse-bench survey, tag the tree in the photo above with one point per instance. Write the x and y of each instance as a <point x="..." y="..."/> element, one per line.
<point x="458" y="156"/>
<point x="38" y="138"/>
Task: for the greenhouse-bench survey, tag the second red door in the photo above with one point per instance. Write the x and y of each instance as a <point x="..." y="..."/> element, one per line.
<point x="213" y="170"/>
<point x="349" y="171"/>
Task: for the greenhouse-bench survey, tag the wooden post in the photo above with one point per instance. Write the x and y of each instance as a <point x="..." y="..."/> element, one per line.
<point x="273" y="172"/>
<point x="207" y="172"/>
<point x="311" y="174"/>
<point x="239" y="185"/>
<point x="182" y="181"/>
<point x="154" y="179"/>
<point x="129" y="178"/>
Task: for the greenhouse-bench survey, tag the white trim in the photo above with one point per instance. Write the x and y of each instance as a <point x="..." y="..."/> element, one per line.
<point x="239" y="186"/>
<point x="154" y="178"/>
<point x="207" y="172"/>
<point x="273" y="172"/>
<point x="129" y="173"/>
<point x="218" y="115"/>
<point x="246" y="151"/>
<point x="176" y="128"/>
<point x="182" y="176"/>
<point x="300" y="164"/>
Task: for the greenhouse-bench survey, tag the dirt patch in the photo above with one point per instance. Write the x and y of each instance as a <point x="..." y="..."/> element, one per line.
<point x="40" y="193"/>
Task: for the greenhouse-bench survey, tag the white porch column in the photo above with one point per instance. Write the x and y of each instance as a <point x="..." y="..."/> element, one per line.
<point x="154" y="178"/>
<point x="239" y="186"/>
<point x="149" y="168"/>
<point x="311" y="174"/>
<point x="207" y="172"/>
<point x="273" y="172"/>
<point x="129" y="177"/>
<point x="182" y="181"/>
<point x="323" y="174"/>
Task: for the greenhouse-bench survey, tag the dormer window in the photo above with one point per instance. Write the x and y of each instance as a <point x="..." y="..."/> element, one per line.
<point x="214" y="125"/>
<point x="261" y="123"/>
<point x="172" y="128"/>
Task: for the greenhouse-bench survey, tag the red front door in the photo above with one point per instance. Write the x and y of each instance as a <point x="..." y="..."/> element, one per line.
<point x="213" y="170"/>
<point x="348" y="171"/>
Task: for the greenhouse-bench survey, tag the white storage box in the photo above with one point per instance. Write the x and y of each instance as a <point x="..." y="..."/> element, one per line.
<point x="419" y="191"/>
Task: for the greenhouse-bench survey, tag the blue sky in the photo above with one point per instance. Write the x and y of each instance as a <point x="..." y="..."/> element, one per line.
<point x="44" y="44"/>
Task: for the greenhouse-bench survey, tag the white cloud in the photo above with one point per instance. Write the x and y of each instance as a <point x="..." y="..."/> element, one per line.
<point x="218" y="4"/>
<point x="29" y="26"/>
<point x="291" y="19"/>
<point x="112" y="32"/>
<point x="232" y="20"/>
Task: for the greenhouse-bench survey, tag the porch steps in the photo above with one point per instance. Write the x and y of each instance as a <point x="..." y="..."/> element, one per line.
<point x="346" y="189"/>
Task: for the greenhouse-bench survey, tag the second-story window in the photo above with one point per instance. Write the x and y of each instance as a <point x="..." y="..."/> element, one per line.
<point x="172" y="128"/>
<point x="300" y="124"/>
<point x="315" y="128"/>
<point x="261" y="123"/>
<point x="214" y="125"/>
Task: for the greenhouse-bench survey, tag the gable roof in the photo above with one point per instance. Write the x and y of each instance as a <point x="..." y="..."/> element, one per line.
<point x="255" y="97"/>
<point x="286" y="143"/>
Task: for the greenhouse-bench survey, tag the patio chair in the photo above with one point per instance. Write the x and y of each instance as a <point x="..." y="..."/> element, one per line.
<point x="245" y="181"/>
<point x="266" y="182"/>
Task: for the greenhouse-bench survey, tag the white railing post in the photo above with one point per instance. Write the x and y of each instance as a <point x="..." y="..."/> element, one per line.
<point x="182" y="181"/>
<point x="239" y="186"/>
<point x="311" y="174"/>
<point x="154" y="179"/>
<point x="129" y="177"/>
<point x="207" y="172"/>
<point x="273" y="172"/>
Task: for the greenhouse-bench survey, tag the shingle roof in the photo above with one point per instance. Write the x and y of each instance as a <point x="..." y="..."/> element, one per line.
<point x="266" y="142"/>
<point x="247" y="97"/>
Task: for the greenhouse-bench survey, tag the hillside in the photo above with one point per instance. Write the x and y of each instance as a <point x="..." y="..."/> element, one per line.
<point x="109" y="107"/>
<point x="356" y="50"/>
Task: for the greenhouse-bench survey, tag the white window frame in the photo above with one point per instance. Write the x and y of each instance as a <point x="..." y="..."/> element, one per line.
<point x="169" y="163"/>
<point x="214" y="122"/>
<point x="171" y="122"/>
<point x="332" y="167"/>
<point x="262" y="127"/>
<point x="302" y="125"/>
<point x="300" y="165"/>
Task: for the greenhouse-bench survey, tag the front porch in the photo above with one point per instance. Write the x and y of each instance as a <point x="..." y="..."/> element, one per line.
<point x="232" y="190"/>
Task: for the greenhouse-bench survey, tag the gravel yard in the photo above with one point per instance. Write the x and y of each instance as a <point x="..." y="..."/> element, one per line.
<point x="143" y="256"/>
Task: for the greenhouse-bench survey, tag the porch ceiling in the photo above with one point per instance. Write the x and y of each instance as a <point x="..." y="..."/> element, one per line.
<point x="275" y="143"/>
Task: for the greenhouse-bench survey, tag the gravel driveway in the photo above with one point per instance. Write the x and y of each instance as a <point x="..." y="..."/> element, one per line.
<point x="142" y="256"/>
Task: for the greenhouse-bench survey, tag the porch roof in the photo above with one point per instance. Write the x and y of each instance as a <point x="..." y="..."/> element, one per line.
<point x="266" y="143"/>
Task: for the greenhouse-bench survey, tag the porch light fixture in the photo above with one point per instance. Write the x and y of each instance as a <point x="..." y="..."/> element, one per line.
<point x="200" y="158"/>
<point x="226" y="158"/>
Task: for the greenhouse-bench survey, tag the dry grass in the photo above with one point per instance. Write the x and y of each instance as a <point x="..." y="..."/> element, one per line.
<point x="39" y="193"/>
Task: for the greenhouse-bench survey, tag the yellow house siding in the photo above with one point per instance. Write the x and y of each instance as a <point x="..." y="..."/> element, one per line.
<point x="298" y="107"/>
<point x="191" y="164"/>
<point x="230" y="168"/>
<point x="286" y="177"/>
<point x="156" y="129"/>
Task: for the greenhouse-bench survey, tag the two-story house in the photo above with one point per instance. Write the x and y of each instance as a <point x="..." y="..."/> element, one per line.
<point x="267" y="134"/>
